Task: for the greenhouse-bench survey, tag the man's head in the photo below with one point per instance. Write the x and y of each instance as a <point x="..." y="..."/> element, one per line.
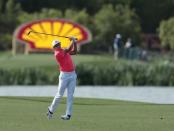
<point x="55" y="44"/>
<point x="118" y="36"/>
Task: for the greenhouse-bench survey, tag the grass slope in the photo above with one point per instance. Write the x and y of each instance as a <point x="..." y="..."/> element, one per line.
<point x="46" y="60"/>
<point x="28" y="114"/>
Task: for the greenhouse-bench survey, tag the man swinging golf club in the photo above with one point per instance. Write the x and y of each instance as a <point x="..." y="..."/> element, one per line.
<point x="67" y="77"/>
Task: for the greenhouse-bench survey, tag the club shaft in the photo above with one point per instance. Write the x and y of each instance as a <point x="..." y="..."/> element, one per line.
<point x="47" y="34"/>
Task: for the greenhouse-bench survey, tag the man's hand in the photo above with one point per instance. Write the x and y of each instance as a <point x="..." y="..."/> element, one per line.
<point x="73" y="39"/>
<point x="72" y="49"/>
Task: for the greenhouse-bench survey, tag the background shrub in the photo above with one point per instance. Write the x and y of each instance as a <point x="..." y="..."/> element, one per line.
<point x="122" y="74"/>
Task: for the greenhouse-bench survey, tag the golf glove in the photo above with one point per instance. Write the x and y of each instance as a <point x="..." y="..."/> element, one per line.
<point x="73" y="39"/>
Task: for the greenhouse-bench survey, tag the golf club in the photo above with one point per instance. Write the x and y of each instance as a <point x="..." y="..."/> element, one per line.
<point x="48" y="34"/>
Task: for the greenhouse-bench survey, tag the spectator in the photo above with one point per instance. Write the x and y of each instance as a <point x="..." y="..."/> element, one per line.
<point x="128" y="43"/>
<point x="117" y="45"/>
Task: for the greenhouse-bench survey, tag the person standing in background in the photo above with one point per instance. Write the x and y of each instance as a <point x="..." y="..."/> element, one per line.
<point x="128" y="43"/>
<point x="117" y="45"/>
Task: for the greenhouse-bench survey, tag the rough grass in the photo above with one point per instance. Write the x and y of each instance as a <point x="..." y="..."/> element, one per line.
<point x="28" y="114"/>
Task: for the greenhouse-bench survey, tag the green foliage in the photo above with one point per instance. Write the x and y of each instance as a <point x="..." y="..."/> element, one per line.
<point x="11" y="11"/>
<point x="119" y="19"/>
<point x="8" y="22"/>
<point x="123" y="74"/>
<point x="152" y="12"/>
<point x="23" y="77"/>
<point x="85" y="75"/>
<point x="1" y="4"/>
<point x="5" y="41"/>
<point x="81" y="16"/>
<point x="43" y="14"/>
<point x="166" y="32"/>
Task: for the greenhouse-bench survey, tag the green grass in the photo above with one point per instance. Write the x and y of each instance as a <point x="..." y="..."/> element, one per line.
<point x="23" y="61"/>
<point x="47" y="61"/>
<point x="28" y="114"/>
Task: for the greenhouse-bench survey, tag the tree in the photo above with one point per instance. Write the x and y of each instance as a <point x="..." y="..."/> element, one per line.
<point x="152" y="12"/>
<point x="43" y="14"/>
<point x="166" y="32"/>
<point x="1" y="2"/>
<point x="11" y="11"/>
<point x="81" y="16"/>
<point x="119" y="19"/>
<point x="8" y="21"/>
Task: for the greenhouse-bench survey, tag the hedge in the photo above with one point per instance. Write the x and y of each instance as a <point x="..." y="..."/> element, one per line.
<point x="122" y="74"/>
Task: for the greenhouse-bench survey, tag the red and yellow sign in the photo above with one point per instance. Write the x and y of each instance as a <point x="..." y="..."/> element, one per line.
<point x="51" y="26"/>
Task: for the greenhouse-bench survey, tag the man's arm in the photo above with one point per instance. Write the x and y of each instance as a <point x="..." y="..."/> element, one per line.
<point x="72" y="49"/>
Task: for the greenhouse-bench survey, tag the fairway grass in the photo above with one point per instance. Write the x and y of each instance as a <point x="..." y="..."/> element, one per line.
<point x="29" y="114"/>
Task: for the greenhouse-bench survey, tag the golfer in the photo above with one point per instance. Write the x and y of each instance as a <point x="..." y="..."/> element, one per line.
<point x="67" y="77"/>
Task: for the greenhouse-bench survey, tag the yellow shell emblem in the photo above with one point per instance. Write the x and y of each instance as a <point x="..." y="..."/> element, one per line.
<point x="52" y="26"/>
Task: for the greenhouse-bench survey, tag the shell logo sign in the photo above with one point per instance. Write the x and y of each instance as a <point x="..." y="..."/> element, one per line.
<point x="51" y="26"/>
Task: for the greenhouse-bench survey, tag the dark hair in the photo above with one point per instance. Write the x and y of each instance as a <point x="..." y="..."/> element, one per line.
<point x="57" y="45"/>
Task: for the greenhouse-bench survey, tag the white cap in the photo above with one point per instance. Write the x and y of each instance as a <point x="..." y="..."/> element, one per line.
<point x="55" y="42"/>
<point x="118" y="36"/>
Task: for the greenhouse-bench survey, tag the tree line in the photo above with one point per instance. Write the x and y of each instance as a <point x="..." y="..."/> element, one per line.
<point x="103" y="17"/>
<point x="150" y="12"/>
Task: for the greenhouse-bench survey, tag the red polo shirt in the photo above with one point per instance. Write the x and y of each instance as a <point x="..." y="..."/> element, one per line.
<point x="64" y="60"/>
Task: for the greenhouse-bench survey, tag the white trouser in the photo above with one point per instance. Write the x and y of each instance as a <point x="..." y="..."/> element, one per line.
<point x="66" y="80"/>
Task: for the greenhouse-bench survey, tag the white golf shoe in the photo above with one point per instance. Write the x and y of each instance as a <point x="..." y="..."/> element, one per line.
<point x="65" y="117"/>
<point x="49" y="114"/>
